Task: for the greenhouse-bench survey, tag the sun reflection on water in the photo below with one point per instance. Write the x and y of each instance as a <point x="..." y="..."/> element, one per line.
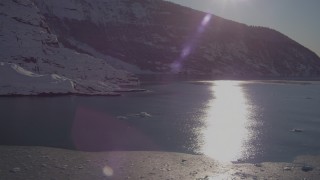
<point x="226" y="122"/>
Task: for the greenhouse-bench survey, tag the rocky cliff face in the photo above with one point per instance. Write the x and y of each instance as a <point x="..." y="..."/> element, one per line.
<point x="28" y="43"/>
<point x="159" y="36"/>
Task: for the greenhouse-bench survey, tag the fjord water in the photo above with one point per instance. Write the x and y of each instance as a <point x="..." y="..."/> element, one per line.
<point x="226" y="120"/>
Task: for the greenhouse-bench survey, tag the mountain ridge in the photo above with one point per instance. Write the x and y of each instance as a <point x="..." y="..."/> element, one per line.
<point x="98" y="44"/>
<point x="153" y="35"/>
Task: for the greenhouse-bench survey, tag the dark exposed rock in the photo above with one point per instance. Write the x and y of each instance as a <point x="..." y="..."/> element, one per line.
<point x="306" y="168"/>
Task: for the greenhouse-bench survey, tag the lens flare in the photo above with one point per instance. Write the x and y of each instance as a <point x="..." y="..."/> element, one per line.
<point x="187" y="49"/>
<point x="206" y="20"/>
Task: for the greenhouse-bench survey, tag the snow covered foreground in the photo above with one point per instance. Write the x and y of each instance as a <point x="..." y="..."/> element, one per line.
<point x="33" y="61"/>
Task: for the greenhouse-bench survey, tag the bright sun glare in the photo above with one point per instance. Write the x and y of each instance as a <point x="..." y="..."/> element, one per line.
<point x="226" y="121"/>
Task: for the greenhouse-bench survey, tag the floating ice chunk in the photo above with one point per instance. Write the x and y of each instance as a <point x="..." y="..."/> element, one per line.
<point x="297" y="130"/>
<point x="15" y="170"/>
<point x="144" y="115"/>
<point x="122" y="117"/>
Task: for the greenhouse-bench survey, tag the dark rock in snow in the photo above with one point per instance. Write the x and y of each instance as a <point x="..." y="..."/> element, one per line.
<point x="307" y="168"/>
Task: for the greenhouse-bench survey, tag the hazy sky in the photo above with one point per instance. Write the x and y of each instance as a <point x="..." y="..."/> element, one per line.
<point x="298" y="19"/>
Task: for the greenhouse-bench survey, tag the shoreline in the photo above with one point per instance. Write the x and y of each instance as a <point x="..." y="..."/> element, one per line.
<point x="28" y="162"/>
<point x="119" y="92"/>
<point x="51" y="94"/>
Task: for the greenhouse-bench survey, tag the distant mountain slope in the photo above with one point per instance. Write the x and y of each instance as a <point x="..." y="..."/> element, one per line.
<point x="163" y="37"/>
<point x="27" y="42"/>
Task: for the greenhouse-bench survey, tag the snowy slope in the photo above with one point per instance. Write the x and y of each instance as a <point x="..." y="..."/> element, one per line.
<point x="163" y="37"/>
<point x="27" y="41"/>
<point x="23" y="82"/>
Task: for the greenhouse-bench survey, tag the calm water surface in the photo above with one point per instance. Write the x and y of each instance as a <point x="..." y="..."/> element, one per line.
<point x="226" y="120"/>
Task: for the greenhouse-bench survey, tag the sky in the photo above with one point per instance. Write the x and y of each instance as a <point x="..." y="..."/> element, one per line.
<point x="298" y="19"/>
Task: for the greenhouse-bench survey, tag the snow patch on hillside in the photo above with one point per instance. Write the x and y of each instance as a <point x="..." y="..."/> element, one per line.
<point x="18" y="81"/>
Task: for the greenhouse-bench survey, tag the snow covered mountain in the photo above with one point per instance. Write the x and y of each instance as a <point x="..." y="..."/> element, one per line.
<point x="93" y="46"/>
<point x="35" y="62"/>
<point x="160" y="36"/>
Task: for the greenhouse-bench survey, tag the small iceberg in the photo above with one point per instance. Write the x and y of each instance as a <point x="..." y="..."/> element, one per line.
<point x="141" y="115"/>
<point x="122" y="117"/>
<point x="144" y="115"/>
<point x="297" y="130"/>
